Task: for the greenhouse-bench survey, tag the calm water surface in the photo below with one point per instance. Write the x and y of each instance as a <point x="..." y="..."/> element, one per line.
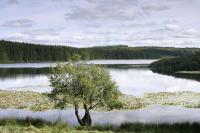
<point x="153" y="114"/>
<point x="102" y="62"/>
<point x="130" y="80"/>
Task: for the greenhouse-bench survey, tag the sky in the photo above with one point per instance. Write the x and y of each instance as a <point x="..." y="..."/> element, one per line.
<point x="86" y="23"/>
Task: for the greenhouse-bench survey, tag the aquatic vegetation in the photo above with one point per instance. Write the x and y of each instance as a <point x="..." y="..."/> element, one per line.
<point x="25" y="100"/>
<point x="132" y="102"/>
<point x="40" y="102"/>
<point x="185" y="99"/>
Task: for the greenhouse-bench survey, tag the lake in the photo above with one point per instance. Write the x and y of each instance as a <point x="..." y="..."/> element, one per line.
<point x="131" y="76"/>
<point x="100" y="62"/>
<point x="153" y="114"/>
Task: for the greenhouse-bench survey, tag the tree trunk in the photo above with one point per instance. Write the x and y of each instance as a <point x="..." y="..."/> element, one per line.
<point x="77" y="115"/>
<point x="86" y="120"/>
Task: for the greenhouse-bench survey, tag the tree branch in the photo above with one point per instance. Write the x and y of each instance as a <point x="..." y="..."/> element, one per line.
<point x="91" y="107"/>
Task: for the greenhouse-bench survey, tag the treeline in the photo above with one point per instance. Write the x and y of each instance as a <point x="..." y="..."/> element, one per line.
<point x="171" y="65"/>
<point x="125" y="52"/>
<point x="26" y="52"/>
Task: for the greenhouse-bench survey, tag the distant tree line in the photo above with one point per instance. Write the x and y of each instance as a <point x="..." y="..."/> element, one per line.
<point x="171" y="65"/>
<point x="26" y="52"/>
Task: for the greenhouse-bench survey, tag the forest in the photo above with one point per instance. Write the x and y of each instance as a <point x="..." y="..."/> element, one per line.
<point x="171" y="65"/>
<point x="27" y="52"/>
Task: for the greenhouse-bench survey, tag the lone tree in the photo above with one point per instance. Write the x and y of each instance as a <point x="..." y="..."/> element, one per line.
<point x="84" y="86"/>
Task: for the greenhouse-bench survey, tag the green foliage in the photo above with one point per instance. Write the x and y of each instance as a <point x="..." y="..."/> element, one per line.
<point x="25" y="122"/>
<point x="75" y="58"/>
<point x="25" y="52"/>
<point x="3" y="56"/>
<point x="149" y="128"/>
<point x="171" y="65"/>
<point x="32" y="125"/>
<point x="82" y="84"/>
<point x="41" y="126"/>
<point x="115" y="105"/>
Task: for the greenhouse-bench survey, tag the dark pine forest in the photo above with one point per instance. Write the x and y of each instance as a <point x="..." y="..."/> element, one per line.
<point x="26" y="52"/>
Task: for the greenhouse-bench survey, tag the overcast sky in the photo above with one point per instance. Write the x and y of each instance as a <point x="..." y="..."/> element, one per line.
<point x="84" y="23"/>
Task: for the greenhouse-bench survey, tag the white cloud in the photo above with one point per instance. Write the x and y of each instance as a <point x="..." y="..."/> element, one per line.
<point x="191" y="31"/>
<point x="18" y="23"/>
<point x="40" y="32"/>
<point x="105" y="9"/>
<point x="155" y="7"/>
<point x="102" y="22"/>
<point x="172" y="27"/>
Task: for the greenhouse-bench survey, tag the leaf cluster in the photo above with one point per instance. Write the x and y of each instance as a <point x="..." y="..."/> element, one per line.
<point x="80" y="83"/>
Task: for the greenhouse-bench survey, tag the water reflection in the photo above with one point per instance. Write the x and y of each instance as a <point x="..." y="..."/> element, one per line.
<point x="132" y="81"/>
<point x="36" y="83"/>
<point x="153" y="114"/>
<point x="139" y="81"/>
<point x="180" y="75"/>
<point x="53" y="64"/>
<point x="13" y="72"/>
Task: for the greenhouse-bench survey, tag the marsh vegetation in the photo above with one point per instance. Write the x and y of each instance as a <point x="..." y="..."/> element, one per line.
<point x="40" y="101"/>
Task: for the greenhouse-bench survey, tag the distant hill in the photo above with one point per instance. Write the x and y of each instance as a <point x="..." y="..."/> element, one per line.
<point x="172" y="65"/>
<point x="26" y="52"/>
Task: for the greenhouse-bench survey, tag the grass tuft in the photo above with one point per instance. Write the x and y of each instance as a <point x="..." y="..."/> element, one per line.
<point x="41" y="126"/>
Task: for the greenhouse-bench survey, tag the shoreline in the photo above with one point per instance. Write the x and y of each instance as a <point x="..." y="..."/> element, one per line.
<point x="188" y="72"/>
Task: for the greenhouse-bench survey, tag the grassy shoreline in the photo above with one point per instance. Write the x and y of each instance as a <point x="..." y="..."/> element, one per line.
<point x="39" y="102"/>
<point x="39" y="126"/>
